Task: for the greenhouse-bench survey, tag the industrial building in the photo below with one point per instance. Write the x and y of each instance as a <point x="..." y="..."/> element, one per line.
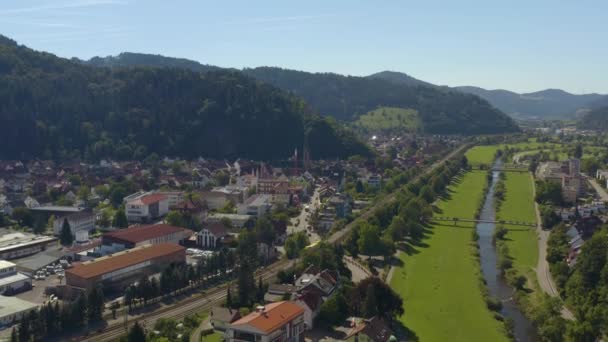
<point x="12" y="281"/>
<point x="12" y="309"/>
<point x="120" y="269"/>
<point x="83" y="221"/>
<point x="146" y="235"/>
<point x="15" y="244"/>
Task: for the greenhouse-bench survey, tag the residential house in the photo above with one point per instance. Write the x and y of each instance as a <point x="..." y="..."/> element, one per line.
<point x="324" y="283"/>
<point x="146" y="207"/>
<point x="311" y="302"/>
<point x="221" y="317"/>
<point x="279" y="292"/>
<point x="374" y="329"/>
<point x="281" y="321"/>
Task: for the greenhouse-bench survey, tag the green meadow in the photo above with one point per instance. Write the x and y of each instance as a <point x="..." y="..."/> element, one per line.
<point x="519" y="206"/>
<point x="439" y="278"/>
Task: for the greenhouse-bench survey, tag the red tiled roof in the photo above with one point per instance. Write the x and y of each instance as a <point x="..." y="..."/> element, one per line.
<point x="274" y="316"/>
<point x="152" y="198"/>
<point x="142" y="233"/>
<point x="124" y="259"/>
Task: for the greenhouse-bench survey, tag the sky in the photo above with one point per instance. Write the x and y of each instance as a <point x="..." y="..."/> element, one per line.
<point x="517" y="45"/>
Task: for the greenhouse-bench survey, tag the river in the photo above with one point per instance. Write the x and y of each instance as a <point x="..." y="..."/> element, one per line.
<point x="497" y="286"/>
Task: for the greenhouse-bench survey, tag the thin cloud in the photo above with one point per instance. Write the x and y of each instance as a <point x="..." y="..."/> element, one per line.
<point x="64" y="5"/>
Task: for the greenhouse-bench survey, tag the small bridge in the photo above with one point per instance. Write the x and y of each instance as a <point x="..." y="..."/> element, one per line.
<point x="510" y="169"/>
<point x="458" y="219"/>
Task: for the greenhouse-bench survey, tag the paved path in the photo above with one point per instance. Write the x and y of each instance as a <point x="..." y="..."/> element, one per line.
<point x="542" y="268"/>
<point x="358" y="270"/>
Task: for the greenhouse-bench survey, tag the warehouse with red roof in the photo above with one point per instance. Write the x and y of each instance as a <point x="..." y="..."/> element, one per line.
<point x="122" y="268"/>
<point x="146" y="235"/>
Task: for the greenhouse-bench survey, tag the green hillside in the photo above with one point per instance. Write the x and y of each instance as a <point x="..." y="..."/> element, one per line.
<point x="390" y="119"/>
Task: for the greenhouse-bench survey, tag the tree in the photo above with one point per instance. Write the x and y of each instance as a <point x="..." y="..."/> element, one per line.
<point x="66" y="236"/>
<point x="295" y="243"/>
<point x="117" y="194"/>
<point x="229" y="298"/>
<point x="120" y="219"/>
<point x="388" y="303"/>
<point x="369" y="241"/>
<point x="23" y="216"/>
<point x="136" y="333"/>
<point x="578" y="151"/>
<point x="370" y="306"/>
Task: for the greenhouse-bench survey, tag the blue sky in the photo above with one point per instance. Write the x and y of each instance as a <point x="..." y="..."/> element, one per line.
<point x="516" y="45"/>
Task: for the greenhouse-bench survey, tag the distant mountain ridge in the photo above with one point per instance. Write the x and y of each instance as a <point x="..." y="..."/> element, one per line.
<point x="548" y="103"/>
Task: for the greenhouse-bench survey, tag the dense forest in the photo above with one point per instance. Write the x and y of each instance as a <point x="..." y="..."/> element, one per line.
<point x="441" y="111"/>
<point x="595" y="119"/>
<point x="56" y="108"/>
<point x="130" y="59"/>
<point x="345" y="98"/>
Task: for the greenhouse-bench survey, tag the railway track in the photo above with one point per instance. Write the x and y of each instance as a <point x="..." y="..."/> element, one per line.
<point x="216" y="295"/>
<point x="183" y="308"/>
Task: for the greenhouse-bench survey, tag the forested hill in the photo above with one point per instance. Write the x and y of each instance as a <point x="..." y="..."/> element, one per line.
<point x="130" y="59"/>
<point x="596" y="119"/>
<point x="57" y="108"/>
<point x="347" y="97"/>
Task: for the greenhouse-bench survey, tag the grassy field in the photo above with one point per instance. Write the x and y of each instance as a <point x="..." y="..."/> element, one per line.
<point x="439" y="277"/>
<point x="215" y="337"/>
<point x="519" y="206"/>
<point x="388" y="118"/>
<point x="481" y="154"/>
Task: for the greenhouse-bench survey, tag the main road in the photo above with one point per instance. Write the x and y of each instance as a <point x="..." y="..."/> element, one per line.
<point x="217" y="295"/>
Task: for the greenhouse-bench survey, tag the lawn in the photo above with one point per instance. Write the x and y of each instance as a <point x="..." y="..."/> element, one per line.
<point x="389" y="118"/>
<point x="439" y="280"/>
<point x="519" y="206"/>
<point x="215" y="337"/>
<point x="481" y="154"/>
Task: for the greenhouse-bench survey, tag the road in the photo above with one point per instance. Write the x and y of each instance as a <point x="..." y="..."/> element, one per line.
<point x="215" y="296"/>
<point x="300" y="223"/>
<point x="543" y="274"/>
<point x="598" y="188"/>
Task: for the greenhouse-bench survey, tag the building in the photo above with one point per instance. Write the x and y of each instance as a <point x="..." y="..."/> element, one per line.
<point x="145" y="207"/>
<point x="81" y="221"/>
<point x="602" y="175"/>
<point x="281" y="321"/>
<point x="173" y="197"/>
<point x="341" y="204"/>
<point x="324" y="283"/>
<point x="12" y="281"/>
<point x="256" y="205"/>
<point x="374" y="329"/>
<point x="219" y="196"/>
<point x="12" y="309"/>
<point x="311" y="303"/>
<point x="221" y="317"/>
<point x="567" y="173"/>
<point x="210" y="235"/>
<point x="236" y="220"/>
<point x="146" y="235"/>
<point x="17" y="244"/>
<point x="122" y="268"/>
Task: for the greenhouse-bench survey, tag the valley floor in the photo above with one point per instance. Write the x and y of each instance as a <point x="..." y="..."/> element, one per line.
<point x="439" y="277"/>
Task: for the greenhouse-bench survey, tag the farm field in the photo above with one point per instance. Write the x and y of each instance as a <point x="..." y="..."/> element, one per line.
<point x="483" y="154"/>
<point x="439" y="277"/>
<point x="519" y="206"/>
<point x="388" y="118"/>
